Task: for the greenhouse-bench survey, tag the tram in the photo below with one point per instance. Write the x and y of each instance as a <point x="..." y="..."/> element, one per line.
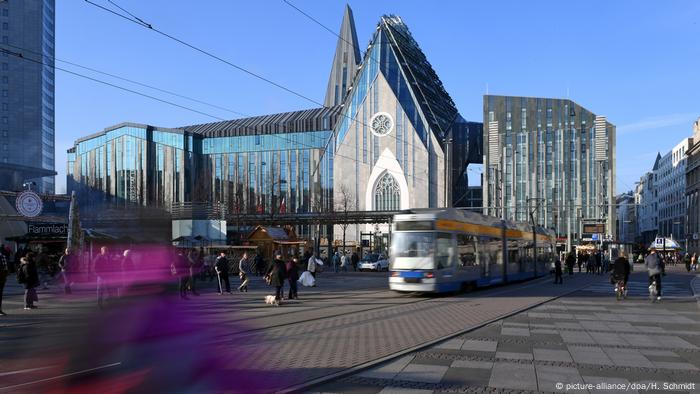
<point x="445" y="250"/>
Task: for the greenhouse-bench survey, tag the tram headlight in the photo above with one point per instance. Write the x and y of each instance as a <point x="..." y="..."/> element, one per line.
<point x="429" y="275"/>
<point x="394" y="273"/>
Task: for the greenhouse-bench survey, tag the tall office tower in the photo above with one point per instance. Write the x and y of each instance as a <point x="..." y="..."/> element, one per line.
<point x="27" y="94"/>
<point x="549" y="161"/>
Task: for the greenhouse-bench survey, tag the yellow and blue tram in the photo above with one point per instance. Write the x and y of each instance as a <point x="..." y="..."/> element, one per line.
<point x="443" y="250"/>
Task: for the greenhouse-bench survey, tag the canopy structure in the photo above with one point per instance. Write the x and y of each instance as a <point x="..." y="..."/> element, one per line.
<point x="664" y="244"/>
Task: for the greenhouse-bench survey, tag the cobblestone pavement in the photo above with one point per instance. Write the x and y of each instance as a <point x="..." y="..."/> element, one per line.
<point x="584" y="342"/>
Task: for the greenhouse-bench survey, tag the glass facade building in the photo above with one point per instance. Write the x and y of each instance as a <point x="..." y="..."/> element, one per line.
<point x="548" y="160"/>
<point x="27" y="94"/>
<point x="255" y="165"/>
<point x="389" y="142"/>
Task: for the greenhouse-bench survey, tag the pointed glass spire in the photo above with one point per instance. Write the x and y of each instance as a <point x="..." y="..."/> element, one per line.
<point x="345" y="61"/>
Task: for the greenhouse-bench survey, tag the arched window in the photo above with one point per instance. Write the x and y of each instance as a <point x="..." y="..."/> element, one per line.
<point x="387" y="195"/>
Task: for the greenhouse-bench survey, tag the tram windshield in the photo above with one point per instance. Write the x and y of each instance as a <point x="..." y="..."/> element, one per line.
<point x="413" y="244"/>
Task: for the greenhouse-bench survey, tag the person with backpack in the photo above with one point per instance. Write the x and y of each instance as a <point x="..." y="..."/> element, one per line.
<point x="28" y="275"/>
<point x="4" y="272"/>
<point x="655" y="267"/>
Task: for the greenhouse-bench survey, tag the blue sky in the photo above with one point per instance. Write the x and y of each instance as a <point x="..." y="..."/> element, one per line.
<point x="637" y="62"/>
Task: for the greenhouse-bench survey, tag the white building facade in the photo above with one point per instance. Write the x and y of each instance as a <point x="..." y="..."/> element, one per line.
<point x="670" y="184"/>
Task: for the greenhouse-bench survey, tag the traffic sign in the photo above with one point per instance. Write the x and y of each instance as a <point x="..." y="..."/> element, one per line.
<point x="595" y="237"/>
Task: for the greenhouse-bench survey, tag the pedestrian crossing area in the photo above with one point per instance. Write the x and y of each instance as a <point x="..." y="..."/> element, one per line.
<point x="669" y="289"/>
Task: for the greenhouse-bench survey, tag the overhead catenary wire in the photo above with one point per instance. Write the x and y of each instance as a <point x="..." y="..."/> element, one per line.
<point x="20" y="56"/>
<point x="91" y="69"/>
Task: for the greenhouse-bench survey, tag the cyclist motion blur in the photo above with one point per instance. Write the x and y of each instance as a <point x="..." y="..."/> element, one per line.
<point x="620" y="275"/>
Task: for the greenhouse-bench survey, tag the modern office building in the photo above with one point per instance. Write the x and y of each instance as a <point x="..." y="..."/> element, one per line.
<point x="27" y="94"/>
<point x="550" y="161"/>
<point x="626" y="218"/>
<point x="645" y="197"/>
<point x="692" y="190"/>
<point x="670" y="183"/>
<point x="395" y="140"/>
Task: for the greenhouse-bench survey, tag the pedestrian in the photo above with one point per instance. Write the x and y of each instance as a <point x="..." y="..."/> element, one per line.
<point x="694" y="262"/>
<point x="4" y="272"/>
<point x="599" y="262"/>
<point x="222" y="268"/>
<point x="344" y="262"/>
<point x="686" y="260"/>
<point x="28" y="276"/>
<point x="66" y="264"/>
<point x="277" y="274"/>
<point x="557" y="271"/>
<point x="259" y="264"/>
<point x="293" y="277"/>
<point x="243" y="272"/>
<point x="180" y="268"/>
<point x="313" y="264"/>
<point x="103" y="269"/>
<point x="655" y="269"/>
<point x="193" y="261"/>
<point x="570" y="260"/>
<point x="579" y="258"/>
<point x="336" y="261"/>
<point x="355" y="260"/>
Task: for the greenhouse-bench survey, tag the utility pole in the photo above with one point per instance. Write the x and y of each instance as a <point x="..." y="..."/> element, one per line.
<point x="503" y="184"/>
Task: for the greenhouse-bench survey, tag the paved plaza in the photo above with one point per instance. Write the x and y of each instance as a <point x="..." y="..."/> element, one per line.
<point x="350" y="334"/>
<point x="586" y="338"/>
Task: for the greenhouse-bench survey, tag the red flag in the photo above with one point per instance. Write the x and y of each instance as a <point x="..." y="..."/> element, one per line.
<point x="283" y="206"/>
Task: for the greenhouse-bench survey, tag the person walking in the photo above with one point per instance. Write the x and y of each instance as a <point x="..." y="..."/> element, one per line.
<point x="355" y="260"/>
<point x="654" y="267"/>
<point x="277" y="275"/>
<point x="243" y="273"/>
<point x="66" y="264"/>
<point x="221" y="266"/>
<point x="558" y="279"/>
<point x="103" y="269"/>
<point x="344" y="262"/>
<point x="312" y="263"/>
<point x="293" y="276"/>
<point x="336" y="261"/>
<point x="570" y="260"/>
<point x="181" y="269"/>
<point x="694" y="262"/>
<point x="579" y="260"/>
<point x="28" y="276"/>
<point x="259" y="264"/>
<point x="4" y="272"/>
<point x="193" y="262"/>
<point x="599" y="262"/>
<point x="686" y="260"/>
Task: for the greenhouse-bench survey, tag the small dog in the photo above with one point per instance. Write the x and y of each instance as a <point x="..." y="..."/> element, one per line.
<point x="652" y="291"/>
<point x="270" y="300"/>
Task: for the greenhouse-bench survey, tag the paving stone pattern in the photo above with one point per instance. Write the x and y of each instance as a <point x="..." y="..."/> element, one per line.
<point x="585" y="338"/>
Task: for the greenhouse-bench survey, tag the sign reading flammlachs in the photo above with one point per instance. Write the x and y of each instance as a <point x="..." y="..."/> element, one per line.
<point x="57" y="229"/>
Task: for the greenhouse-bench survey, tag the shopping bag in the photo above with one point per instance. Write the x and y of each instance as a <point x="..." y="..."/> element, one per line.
<point x="306" y="279"/>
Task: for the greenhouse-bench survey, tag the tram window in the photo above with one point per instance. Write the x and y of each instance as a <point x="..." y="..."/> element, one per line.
<point x="466" y="247"/>
<point x="445" y="250"/>
<point x="412" y="244"/>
